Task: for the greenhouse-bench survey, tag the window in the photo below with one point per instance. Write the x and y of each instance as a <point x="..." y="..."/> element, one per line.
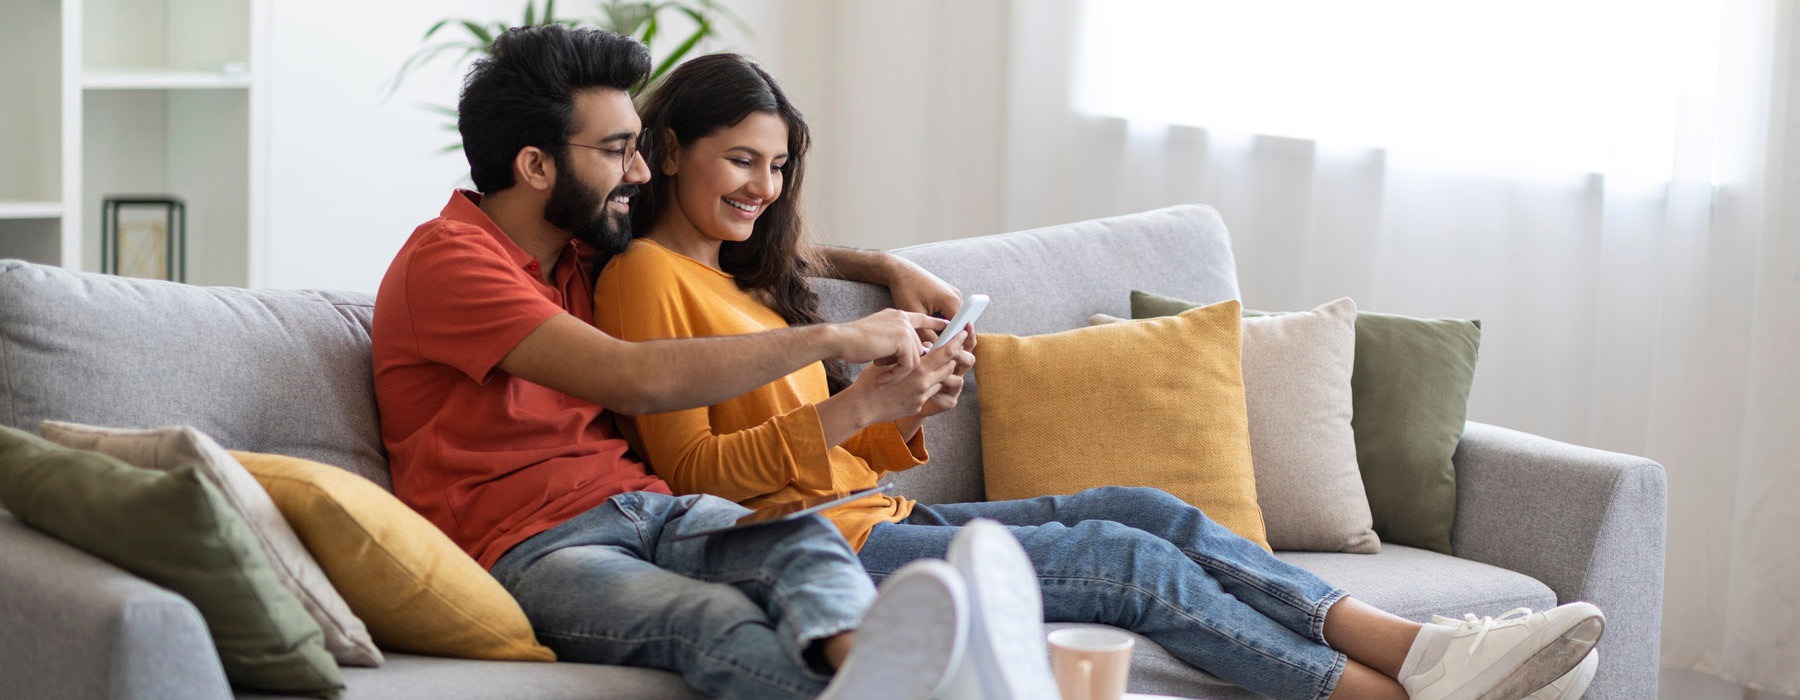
<point x="1567" y="85"/>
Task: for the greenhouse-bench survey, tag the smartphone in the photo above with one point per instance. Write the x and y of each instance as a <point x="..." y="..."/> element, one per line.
<point x="971" y="310"/>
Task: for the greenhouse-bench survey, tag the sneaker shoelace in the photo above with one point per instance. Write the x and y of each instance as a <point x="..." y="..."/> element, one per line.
<point x="1483" y="625"/>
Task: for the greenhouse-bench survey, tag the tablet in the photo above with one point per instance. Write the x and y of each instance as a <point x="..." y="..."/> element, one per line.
<point x="971" y="310"/>
<point x="785" y="512"/>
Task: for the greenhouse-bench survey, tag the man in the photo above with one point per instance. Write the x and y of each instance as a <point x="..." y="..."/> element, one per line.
<point x="494" y="388"/>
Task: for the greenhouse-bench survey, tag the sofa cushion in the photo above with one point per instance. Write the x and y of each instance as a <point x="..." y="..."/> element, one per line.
<point x="163" y="449"/>
<point x="1297" y="392"/>
<point x="415" y="588"/>
<point x="408" y="677"/>
<point x="263" y="370"/>
<point x="1150" y="403"/>
<point x="174" y="529"/>
<point x="1039" y="287"/>
<point x="1411" y="393"/>
<point x="1410" y="582"/>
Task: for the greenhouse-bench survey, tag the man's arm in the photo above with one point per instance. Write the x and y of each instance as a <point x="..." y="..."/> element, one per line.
<point x="913" y="288"/>
<point x="578" y="359"/>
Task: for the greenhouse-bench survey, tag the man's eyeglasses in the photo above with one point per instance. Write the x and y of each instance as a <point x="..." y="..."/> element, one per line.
<point x="625" y="154"/>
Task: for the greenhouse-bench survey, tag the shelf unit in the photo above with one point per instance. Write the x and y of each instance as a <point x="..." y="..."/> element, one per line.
<point x="132" y="97"/>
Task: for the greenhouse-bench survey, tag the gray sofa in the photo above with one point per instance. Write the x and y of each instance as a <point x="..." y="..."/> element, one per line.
<point x="1538" y="521"/>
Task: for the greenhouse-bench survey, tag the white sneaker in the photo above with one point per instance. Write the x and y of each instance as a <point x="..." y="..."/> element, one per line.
<point x="1572" y="684"/>
<point x="911" y="640"/>
<point x="1504" y="658"/>
<point x="1006" y="632"/>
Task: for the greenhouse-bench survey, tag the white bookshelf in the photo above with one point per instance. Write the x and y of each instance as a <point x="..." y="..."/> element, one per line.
<point x="133" y="97"/>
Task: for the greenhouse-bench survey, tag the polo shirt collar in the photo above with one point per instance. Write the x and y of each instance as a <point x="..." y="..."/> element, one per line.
<point x="465" y="207"/>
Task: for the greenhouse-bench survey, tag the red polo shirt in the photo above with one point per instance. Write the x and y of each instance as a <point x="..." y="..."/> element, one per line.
<point x="490" y="458"/>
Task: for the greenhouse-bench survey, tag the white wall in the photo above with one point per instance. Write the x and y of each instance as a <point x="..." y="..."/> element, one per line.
<point x="352" y="173"/>
<point x="905" y="101"/>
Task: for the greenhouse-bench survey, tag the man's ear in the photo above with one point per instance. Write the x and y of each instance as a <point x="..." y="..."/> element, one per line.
<point x="670" y="148"/>
<point x="534" y="168"/>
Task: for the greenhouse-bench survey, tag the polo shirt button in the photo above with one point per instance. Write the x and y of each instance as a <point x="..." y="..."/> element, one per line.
<point x="532" y="266"/>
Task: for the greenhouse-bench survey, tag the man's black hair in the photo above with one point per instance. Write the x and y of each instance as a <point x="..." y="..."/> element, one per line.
<point x="522" y="94"/>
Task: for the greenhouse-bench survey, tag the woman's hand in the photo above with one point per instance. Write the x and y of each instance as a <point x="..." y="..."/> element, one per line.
<point x="884" y="393"/>
<point x="963" y="356"/>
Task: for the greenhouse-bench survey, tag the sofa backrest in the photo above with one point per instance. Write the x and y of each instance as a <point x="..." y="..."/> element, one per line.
<point x="1042" y="281"/>
<point x="289" y="371"/>
<point x="260" y="370"/>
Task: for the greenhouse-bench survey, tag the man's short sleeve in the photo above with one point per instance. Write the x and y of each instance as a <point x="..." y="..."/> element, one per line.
<point x="469" y="303"/>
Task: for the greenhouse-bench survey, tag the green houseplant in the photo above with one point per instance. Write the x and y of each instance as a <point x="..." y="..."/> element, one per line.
<point x="646" y="21"/>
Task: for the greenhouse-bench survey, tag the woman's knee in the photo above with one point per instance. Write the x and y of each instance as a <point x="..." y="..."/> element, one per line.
<point x="1139" y="500"/>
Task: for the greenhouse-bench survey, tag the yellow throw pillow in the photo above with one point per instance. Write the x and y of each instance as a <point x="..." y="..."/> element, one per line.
<point x="1158" y="402"/>
<point x="415" y="589"/>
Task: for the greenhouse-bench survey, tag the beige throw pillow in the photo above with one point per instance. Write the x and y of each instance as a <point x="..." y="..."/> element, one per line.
<point x="1296" y="371"/>
<point x="1297" y="387"/>
<point x="164" y="449"/>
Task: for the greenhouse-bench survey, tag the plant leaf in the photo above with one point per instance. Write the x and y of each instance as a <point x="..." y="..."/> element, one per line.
<point x="650" y="28"/>
<point x="675" y="56"/>
<point x="715" y="7"/>
<point x="434" y="28"/>
<point x="530" y="13"/>
<point x="481" y="33"/>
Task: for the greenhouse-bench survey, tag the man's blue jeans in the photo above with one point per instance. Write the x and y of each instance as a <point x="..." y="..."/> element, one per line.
<point x="1143" y="560"/>
<point x="732" y="613"/>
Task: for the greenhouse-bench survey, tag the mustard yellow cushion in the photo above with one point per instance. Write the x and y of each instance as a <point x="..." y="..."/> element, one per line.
<point x="415" y="589"/>
<point x="1149" y="403"/>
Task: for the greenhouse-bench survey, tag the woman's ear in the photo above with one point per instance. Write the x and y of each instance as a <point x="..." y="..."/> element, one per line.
<point x="670" y="148"/>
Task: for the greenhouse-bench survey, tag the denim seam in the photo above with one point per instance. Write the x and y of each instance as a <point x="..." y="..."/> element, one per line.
<point x="1238" y="574"/>
<point x="1329" y="683"/>
<point x="1179" y="612"/>
<point x="699" y="651"/>
<point x="807" y="635"/>
<point x="1324" y="606"/>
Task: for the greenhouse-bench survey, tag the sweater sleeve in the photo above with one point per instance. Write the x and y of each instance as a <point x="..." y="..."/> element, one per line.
<point x="642" y="296"/>
<point x="881" y="447"/>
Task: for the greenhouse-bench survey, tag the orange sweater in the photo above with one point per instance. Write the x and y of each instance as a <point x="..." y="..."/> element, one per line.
<point x="760" y="449"/>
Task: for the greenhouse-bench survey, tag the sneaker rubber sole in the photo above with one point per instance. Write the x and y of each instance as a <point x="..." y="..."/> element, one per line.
<point x="912" y="639"/>
<point x="1007" y="625"/>
<point x="1543" y="667"/>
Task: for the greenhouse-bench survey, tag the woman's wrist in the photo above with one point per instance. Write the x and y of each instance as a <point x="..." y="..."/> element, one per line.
<point x="842" y="416"/>
<point x="909" y="427"/>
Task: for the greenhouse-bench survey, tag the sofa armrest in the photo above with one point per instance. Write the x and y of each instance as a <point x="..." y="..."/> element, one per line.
<point x="1588" y="523"/>
<point x="74" y="626"/>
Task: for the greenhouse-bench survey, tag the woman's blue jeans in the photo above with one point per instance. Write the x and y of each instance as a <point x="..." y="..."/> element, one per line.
<point x="1143" y="560"/>
<point x="733" y="614"/>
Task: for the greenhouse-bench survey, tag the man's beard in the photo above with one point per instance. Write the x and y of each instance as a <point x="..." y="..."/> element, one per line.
<point x="574" y="207"/>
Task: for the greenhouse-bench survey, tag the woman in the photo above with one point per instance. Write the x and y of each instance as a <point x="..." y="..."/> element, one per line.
<point x="719" y="226"/>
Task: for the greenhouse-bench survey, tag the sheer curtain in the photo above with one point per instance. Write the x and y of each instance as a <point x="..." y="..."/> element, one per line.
<point x="1637" y="297"/>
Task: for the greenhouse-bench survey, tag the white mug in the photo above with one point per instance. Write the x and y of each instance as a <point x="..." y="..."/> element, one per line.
<point x="1091" y="663"/>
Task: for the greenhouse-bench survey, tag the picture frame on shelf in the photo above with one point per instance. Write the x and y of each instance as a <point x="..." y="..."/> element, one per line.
<point x="144" y="236"/>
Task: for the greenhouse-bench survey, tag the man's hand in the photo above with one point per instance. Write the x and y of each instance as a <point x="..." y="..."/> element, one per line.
<point x="916" y="289"/>
<point x="889" y="336"/>
<point x="913" y="288"/>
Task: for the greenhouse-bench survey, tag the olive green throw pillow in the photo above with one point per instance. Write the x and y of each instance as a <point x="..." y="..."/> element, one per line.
<point x="1410" y="396"/>
<point x="175" y="530"/>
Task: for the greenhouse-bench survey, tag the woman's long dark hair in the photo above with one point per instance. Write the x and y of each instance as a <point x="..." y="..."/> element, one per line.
<point x="715" y="92"/>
